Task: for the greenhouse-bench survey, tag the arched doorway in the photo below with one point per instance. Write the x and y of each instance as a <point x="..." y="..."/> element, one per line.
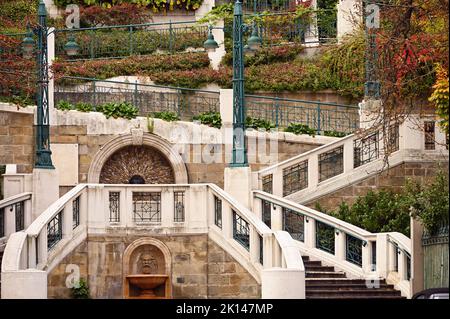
<point x="137" y="164"/>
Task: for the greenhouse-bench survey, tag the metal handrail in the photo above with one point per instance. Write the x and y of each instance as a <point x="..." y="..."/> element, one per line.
<point x="138" y="84"/>
<point x="300" y="101"/>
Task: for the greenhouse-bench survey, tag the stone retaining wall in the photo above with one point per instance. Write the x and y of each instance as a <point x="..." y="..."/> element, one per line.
<point x="200" y="269"/>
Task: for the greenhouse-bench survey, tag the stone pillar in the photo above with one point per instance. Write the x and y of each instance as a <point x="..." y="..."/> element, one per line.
<point x="369" y="111"/>
<point x="52" y="9"/>
<point x="417" y="276"/>
<point x="45" y="189"/>
<point x="412" y="135"/>
<point x="238" y="183"/>
<point x="348" y="17"/>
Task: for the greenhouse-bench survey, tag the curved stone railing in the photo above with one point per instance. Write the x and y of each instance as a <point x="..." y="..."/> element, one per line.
<point x="359" y="253"/>
<point x="341" y="163"/>
<point x="96" y="209"/>
<point x="15" y="215"/>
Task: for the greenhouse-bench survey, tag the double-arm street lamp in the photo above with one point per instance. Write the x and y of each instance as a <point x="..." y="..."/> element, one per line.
<point x="239" y="158"/>
<point x="43" y="153"/>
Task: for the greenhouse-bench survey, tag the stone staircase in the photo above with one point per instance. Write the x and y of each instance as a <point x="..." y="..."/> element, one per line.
<point x="324" y="282"/>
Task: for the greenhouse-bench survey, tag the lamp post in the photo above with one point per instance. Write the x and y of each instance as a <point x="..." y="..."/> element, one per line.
<point x="43" y="153"/>
<point x="239" y="158"/>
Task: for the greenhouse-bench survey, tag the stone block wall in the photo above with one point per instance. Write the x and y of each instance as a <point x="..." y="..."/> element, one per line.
<point x="392" y="179"/>
<point x="17" y="140"/>
<point x="200" y="269"/>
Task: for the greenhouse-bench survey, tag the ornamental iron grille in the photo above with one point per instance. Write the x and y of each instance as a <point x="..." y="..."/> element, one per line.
<point x="54" y="231"/>
<point x="331" y="163"/>
<point x="374" y="255"/>
<point x="365" y="149"/>
<point x="20" y="216"/>
<point x="267" y="213"/>
<point x="76" y="212"/>
<point x="147" y="207"/>
<point x="241" y="231"/>
<point x="114" y="207"/>
<point x="393" y="138"/>
<point x="408" y="267"/>
<point x="2" y="222"/>
<point x="267" y="183"/>
<point x="217" y="212"/>
<point x="261" y="250"/>
<point x="396" y="253"/>
<point x="353" y="250"/>
<point x="325" y="237"/>
<point x="295" y="178"/>
<point x="429" y="128"/>
<point x="178" y="204"/>
<point x="294" y="224"/>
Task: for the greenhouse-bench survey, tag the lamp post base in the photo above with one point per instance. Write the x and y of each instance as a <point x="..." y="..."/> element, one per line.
<point x="238" y="183"/>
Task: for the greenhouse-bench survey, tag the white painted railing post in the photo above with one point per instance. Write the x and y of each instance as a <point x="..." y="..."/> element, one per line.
<point x="28" y="213"/>
<point x="276" y="217"/>
<point x="310" y="232"/>
<point x="227" y="220"/>
<point x="366" y="262"/>
<point x="339" y="244"/>
<point x="32" y="252"/>
<point x="254" y="245"/>
<point x="277" y="182"/>
<point x="42" y="246"/>
<point x="401" y="265"/>
<point x="67" y="220"/>
<point x="167" y="207"/>
<point x="10" y="220"/>
<point x="268" y="250"/>
<point x="348" y="156"/>
<point x="313" y="171"/>
<point x="382" y="254"/>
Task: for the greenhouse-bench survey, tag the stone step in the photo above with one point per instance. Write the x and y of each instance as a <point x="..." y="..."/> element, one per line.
<point x="319" y="268"/>
<point x="324" y="274"/>
<point x="344" y="296"/>
<point x="312" y="263"/>
<point x="343" y="286"/>
<point x="353" y="292"/>
<point x="338" y="281"/>
<point x="305" y="258"/>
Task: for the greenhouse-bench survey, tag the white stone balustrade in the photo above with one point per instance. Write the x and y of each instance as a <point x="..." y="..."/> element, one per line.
<point x="372" y="270"/>
<point x="28" y="257"/>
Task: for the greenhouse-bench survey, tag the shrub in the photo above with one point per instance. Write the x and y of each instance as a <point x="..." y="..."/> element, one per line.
<point x="84" y="107"/>
<point x="81" y="290"/>
<point x="256" y="123"/>
<point x="335" y="133"/>
<point x="212" y="119"/>
<point x="64" y="106"/>
<point x="154" y="5"/>
<point x="386" y="211"/>
<point x="298" y="128"/>
<point x="166" y="116"/>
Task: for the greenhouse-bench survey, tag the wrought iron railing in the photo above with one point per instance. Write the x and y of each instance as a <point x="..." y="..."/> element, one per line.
<point x="294" y="224"/>
<point x="178" y="205"/>
<point x="353" y="251"/>
<point x="217" y="212"/>
<point x="320" y="116"/>
<point x="19" y="209"/>
<point x="185" y="102"/>
<point x="325" y="237"/>
<point x="267" y="183"/>
<point x="76" y="212"/>
<point x="241" y="231"/>
<point x="135" y="39"/>
<point x="295" y="178"/>
<point x="114" y="207"/>
<point x="147" y="207"/>
<point x="331" y="163"/>
<point x="54" y="230"/>
<point x="366" y="149"/>
<point x="267" y="213"/>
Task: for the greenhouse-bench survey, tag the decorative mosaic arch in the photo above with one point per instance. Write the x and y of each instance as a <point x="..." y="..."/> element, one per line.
<point x="150" y="140"/>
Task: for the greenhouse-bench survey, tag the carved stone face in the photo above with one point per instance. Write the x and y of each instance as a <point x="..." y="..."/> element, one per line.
<point x="149" y="264"/>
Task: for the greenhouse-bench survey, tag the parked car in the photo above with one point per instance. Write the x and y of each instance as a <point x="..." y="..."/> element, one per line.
<point x="434" y="293"/>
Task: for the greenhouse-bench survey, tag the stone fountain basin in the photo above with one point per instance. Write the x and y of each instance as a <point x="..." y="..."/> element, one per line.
<point x="147" y="282"/>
